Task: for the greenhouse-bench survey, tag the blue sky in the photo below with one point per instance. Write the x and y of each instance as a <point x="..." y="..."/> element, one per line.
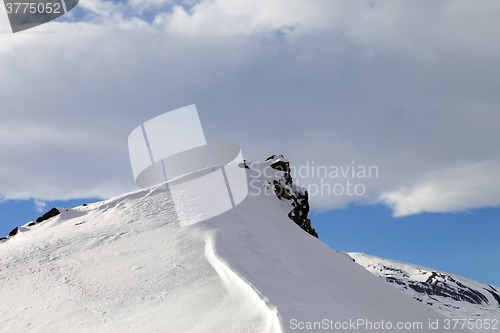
<point x="15" y="213"/>
<point x="410" y="87"/>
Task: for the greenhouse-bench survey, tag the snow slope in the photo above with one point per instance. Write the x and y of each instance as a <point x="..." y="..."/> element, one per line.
<point x="125" y="265"/>
<point x="452" y="295"/>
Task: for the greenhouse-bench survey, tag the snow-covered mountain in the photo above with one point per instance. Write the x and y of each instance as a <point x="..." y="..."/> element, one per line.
<point x="126" y="265"/>
<point x="452" y="295"/>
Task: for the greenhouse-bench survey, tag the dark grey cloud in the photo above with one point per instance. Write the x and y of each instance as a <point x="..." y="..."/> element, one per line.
<point x="408" y="87"/>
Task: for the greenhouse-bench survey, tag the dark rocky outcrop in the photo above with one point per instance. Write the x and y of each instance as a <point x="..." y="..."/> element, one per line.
<point x="494" y="294"/>
<point x="51" y="213"/>
<point x="243" y="165"/>
<point x="439" y="284"/>
<point x="296" y="196"/>
<point x="392" y="279"/>
<point x="13" y="232"/>
<point x="440" y="289"/>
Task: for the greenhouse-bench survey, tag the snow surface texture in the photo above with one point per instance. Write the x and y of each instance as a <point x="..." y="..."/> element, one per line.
<point x="125" y="265"/>
<point x="452" y="295"/>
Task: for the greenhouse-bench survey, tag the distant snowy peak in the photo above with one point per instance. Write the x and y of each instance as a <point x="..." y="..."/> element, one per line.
<point x="452" y="295"/>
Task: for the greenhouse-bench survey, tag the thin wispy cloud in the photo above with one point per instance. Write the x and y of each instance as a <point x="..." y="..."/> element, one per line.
<point x="40" y="205"/>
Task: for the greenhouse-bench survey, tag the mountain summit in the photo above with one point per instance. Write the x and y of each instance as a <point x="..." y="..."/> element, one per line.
<point x="126" y="265"/>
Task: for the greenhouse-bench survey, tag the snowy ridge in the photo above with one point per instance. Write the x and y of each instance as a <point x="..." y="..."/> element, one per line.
<point x="125" y="265"/>
<point x="452" y="295"/>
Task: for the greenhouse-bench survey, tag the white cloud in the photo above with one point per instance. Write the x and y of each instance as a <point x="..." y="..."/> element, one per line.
<point x="449" y="190"/>
<point x="224" y="17"/>
<point x="40" y="205"/>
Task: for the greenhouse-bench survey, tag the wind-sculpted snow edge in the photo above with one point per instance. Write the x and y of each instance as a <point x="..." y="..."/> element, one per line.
<point x="244" y="294"/>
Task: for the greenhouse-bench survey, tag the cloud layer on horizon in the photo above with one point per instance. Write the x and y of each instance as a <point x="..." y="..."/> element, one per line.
<point x="411" y="87"/>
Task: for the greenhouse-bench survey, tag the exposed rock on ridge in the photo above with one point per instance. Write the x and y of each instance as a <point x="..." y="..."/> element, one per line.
<point x="296" y="196"/>
<point x="51" y="213"/>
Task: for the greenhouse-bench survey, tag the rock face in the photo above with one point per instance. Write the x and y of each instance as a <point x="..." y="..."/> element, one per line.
<point x="51" y="213"/>
<point x="297" y="197"/>
<point x="438" y="284"/>
<point x="13" y="232"/>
